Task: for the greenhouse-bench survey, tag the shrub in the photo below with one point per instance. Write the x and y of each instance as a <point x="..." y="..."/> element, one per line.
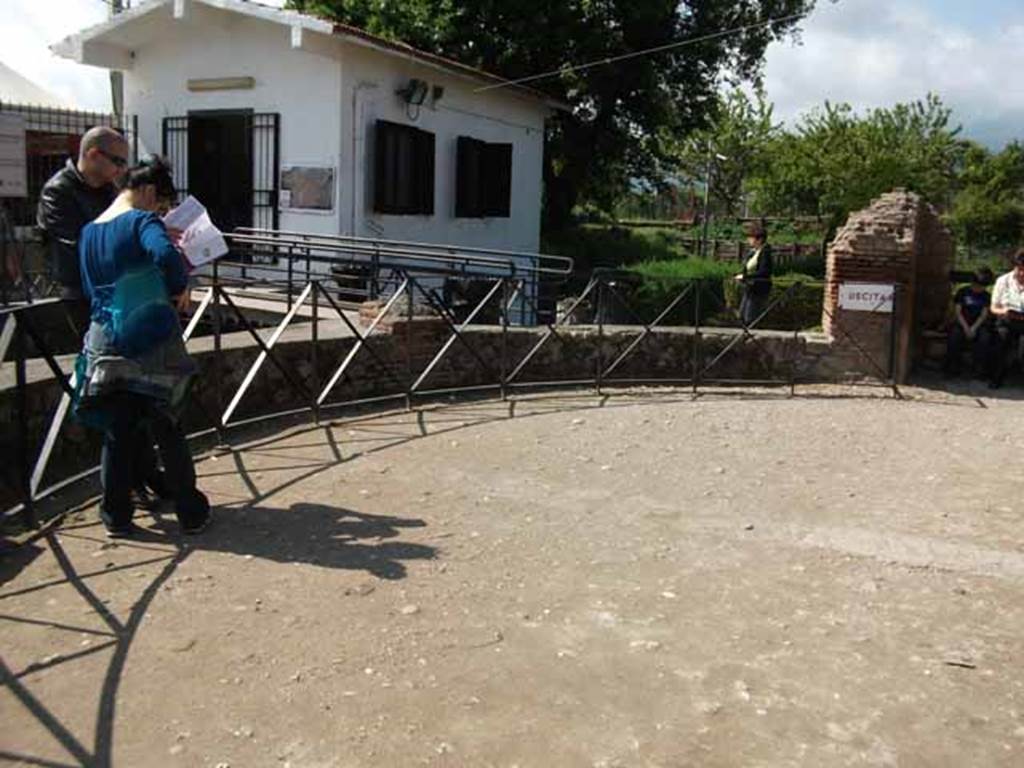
<point x="801" y="310"/>
<point x="658" y="283"/>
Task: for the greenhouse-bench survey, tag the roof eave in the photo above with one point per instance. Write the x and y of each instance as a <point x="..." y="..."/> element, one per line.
<point x="464" y="71"/>
<point x="88" y="47"/>
<point x="82" y="47"/>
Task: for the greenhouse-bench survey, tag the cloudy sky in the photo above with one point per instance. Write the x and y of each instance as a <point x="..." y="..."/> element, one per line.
<point x="876" y="52"/>
<point x="866" y="52"/>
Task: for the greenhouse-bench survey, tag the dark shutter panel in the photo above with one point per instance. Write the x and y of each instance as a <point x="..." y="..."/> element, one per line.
<point x="403" y="169"/>
<point x="403" y="180"/>
<point x="472" y="174"/>
<point x="380" y="167"/>
<point x="463" y="177"/>
<point x="425" y="158"/>
<point x="498" y="188"/>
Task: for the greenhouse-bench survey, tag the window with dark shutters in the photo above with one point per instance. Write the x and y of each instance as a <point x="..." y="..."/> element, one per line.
<point x="483" y="185"/>
<point x="403" y="169"/>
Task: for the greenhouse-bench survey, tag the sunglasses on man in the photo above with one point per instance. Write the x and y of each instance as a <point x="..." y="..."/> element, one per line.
<point x="120" y="162"/>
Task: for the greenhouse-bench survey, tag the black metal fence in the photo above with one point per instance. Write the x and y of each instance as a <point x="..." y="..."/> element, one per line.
<point x="407" y="280"/>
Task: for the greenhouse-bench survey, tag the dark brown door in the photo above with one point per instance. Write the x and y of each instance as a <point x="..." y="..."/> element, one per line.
<point x="220" y="166"/>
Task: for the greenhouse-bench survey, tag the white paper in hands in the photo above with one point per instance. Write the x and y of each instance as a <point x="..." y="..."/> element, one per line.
<point x="201" y="241"/>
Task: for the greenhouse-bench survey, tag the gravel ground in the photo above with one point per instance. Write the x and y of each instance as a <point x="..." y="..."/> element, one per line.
<point x="641" y="580"/>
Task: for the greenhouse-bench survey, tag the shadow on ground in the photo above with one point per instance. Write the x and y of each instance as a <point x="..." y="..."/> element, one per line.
<point x="316" y="534"/>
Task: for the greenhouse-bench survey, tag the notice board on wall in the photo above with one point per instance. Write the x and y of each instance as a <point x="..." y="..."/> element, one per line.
<point x="309" y="188"/>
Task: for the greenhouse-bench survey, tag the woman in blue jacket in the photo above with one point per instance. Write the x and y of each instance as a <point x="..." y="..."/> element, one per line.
<point x="133" y="372"/>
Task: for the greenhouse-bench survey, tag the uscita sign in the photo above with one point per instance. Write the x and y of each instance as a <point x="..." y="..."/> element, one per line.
<point x="866" y="297"/>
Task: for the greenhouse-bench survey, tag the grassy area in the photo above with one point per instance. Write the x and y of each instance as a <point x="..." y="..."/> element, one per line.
<point x="602" y="247"/>
<point x="721" y="295"/>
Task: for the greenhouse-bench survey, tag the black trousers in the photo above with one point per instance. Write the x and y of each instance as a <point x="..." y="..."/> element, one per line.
<point x="135" y="421"/>
<point x="983" y="347"/>
<point x="1007" y="341"/>
<point x="752" y="305"/>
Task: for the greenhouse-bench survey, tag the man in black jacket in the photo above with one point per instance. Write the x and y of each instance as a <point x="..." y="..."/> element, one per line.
<point x="74" y="196"/>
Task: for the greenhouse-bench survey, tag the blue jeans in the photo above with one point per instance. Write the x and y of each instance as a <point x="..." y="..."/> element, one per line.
<point x="135" y="420"/>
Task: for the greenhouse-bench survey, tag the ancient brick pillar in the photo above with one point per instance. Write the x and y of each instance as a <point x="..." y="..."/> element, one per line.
<point x="897" y="241"/>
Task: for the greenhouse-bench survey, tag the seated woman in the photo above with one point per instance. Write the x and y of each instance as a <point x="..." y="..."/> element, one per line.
<point x="134" y="371"/>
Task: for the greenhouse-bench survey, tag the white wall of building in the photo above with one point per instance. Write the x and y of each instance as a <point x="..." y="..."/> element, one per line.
<point x="328" y="102"/>
<point x="370" y="81"/>
<point x="210" y="43"/>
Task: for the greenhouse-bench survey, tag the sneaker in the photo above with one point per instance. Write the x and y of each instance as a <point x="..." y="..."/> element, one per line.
<point x="122" y="532"/>
<point x="198" y="527"/>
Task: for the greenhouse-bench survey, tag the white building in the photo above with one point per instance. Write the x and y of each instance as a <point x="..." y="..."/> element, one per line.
<point x="275" y="119"/>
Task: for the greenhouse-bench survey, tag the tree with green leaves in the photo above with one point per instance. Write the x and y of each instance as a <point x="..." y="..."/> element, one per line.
<point x="988" y="210"/>
<point x="835" y="161"/>
<point x="734" y="147"/>
<point x="620" y="112"/>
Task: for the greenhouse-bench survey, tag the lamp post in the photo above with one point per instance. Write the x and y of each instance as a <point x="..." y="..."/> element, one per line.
<point x="712" y="156"/>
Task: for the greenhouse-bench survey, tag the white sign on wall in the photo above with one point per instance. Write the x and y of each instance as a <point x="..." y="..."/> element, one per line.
<point x="866" y="297"/>
<point x="13" y="179"/>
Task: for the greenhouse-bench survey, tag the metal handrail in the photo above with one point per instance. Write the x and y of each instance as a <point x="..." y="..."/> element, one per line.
<point x="564" y="268"/>
<point x="382" y="258"/>
<point x="438" y="258"/>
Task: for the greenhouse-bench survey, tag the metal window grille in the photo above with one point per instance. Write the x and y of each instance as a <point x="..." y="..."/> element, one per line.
<point x="51" y="137"/>
<point x="264" y="145"/>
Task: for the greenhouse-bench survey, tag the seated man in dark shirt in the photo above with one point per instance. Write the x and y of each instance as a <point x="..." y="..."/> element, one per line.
<point x="971" y="324"/>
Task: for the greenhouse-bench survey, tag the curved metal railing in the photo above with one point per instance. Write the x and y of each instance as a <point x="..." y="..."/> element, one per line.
<point x="412" y="276"/>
